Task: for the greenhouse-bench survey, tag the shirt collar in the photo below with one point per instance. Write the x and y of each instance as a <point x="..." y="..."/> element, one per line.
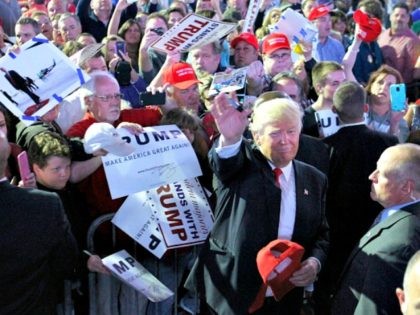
<point x="350" y="125"/>
<point x="393" y="209"/>
<point x="286" y="171"/>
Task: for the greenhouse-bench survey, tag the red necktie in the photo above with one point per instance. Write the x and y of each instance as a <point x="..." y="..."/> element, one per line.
<point x="277" y="173"/>
<point x="259" y="299"/>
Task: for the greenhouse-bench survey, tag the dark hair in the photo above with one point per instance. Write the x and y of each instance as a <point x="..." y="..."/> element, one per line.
<point x="186" y="119"/>
<point x="207" y="13"/>
<point x="127" y="24"/>
<point x="180" y="2"/>
<point x="384" y="69"/>
<point x="157" y="15"/>
<point x="170" y="10"/>
<point x="373" y="8"/>
<point x="123" y="73"/>
<point x="322" y="69"/>
<point x="401" y="5"/>
<point x="71" y="47"/>
<point x="349" y="101"/>
<point x="338" y="15"/>
<point x="45" y="145"/>
<point x="29" y="21"/>
<point x="293" y="77"/>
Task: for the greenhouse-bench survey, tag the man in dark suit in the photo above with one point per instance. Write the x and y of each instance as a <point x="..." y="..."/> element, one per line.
<point x="376" y="266"/>
<point x="37" y="249"/>
<point x="350" y="211"/>
<point x="254" y="207"/>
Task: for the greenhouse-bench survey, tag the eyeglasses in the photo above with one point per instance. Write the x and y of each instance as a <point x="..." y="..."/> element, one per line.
<point x="107" y="98"/>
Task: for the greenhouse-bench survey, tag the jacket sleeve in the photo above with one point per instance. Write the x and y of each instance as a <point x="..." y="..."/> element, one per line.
<point x="225" y="169"/>
<point x="321" y="245"/>
<point x="384" y="274"/>
<point x="65" y="253"/>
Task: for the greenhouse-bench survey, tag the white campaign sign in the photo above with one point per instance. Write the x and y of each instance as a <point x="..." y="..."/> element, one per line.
<point x="328" y="122"/>
<point x="163" y="155"/>
<point x="192" y="31"/>
<point x="170" y="216"/>
<point x="36" y="79"/>
<point x="295" y="26"/>
<point x="226" y="82"/>
<point x="131" y="272"/>
<point x="251" y="16"/>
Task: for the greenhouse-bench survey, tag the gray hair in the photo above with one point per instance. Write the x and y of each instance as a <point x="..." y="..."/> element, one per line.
<point x="406" y="163"/>
<point x="274" y="110"/>
<point x="89" y="88"/>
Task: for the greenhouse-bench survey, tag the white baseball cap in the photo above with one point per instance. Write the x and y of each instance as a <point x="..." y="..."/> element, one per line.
<point x="105" y="136"/>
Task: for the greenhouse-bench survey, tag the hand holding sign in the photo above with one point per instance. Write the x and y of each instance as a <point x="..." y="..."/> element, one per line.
<point x="230" y="122"/>
<point x="255" y="73"/>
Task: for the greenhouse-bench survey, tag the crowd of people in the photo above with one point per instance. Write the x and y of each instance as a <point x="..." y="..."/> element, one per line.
<point x="311" y="150"/>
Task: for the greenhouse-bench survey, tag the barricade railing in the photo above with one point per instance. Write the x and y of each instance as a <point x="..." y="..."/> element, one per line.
<point x="133" y="299"/>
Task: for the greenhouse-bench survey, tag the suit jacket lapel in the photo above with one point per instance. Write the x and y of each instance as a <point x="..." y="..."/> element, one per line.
<point x="272" y="193"/>
<point x="300" y="200"/>
<point x="375" y="232"/>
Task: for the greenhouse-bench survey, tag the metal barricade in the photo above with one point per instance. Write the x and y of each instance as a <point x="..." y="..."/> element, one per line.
<point x="67" y="307"/>
<point x="132" y="299"/>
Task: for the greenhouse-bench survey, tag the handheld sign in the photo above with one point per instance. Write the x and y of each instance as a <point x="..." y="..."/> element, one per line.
<point x="228" y="82"/>
<point x="162" y="155"/>
<point x="170" y="216"/>
<point x="328" y="122"/>
<point x="192" y="31"/>
<point x="130" y="271"/>
<point x="36" y="79"/>
<point x="295" y="26"/>
<point x="251" y="16"/>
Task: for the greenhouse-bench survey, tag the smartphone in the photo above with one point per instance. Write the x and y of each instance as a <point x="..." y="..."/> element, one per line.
<point x="147" y="98"/>
<point x="23" y="163"/>
<point x="398" y="97"/>
<point x="120" y="48"/>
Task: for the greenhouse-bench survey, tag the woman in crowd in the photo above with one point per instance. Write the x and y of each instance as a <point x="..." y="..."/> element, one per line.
<point x="131" y="33"/>
<point x="380" y="115"/>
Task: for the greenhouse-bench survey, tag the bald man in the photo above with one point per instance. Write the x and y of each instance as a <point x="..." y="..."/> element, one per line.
<point x="409" y="298"/>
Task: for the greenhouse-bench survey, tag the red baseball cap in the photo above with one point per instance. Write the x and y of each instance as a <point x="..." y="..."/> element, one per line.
<point x="180" y="75"/>
<point x="370" y="27"/>
<point x="318" y="12"/>
<point x="246" y="37"/>
<point x="275" y="41"/>
<point x="277" y="262"/>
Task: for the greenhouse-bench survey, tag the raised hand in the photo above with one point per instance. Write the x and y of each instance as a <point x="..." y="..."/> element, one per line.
<point x="230" y="122"/>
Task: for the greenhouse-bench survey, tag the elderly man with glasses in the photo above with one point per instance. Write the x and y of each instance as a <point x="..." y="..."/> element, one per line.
<point x="103" y="102"/>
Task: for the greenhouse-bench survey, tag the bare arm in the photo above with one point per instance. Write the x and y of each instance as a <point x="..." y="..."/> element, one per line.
<point x="350" y="57"/>
<point x="116" y="17"/>
<point x="82" y="169"/>
<point x="145" y="64"/>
